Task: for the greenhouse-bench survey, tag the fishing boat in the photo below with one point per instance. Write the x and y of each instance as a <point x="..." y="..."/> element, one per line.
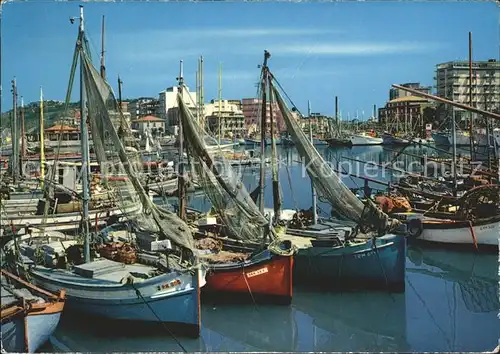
<point x="472" y="220"/>
<point x="29" y="314"/>
<point x="365" y="139"/>
<point x="391" y="139"/>
<point x="112" y="279"/>
<point x="446" y="138"/>
<point x="328" y="254"/>
<point x="253" y="264"/>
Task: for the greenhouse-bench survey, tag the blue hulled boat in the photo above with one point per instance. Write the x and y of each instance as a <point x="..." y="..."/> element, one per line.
<point x="368" y="249"/>
<point x="373" y="263"/>
<point x="29" y="314"/>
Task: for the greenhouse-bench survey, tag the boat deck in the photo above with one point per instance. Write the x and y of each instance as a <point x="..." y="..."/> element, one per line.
<point x="11" y="295"/>
<point x="99" y="272"/>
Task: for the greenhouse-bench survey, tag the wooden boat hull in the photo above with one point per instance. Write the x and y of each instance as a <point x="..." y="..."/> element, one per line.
<point x="179" y="308"/>
<point x="338" y="142"/>
<point x="379" y="265"/>
<point x="265" y="278"/>
<point x="389" y="139"/>
<point x="445" y="231"/>
<point x="35" y="328"/>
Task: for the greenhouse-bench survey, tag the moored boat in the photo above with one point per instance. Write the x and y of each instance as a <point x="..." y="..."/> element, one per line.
<point x="365" y="139"/>
<point x="475" y="220"/>
<point x="29" y="314"/>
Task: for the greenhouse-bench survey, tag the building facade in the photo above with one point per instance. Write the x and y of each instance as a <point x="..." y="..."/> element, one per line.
<point x="142" y="107"/>
<point x="403" y="114"/>
<point x="232" y="120"/>
<point x="452" y="82"/>
<point x="252" y="108"/>
<point x="395" y="93"/>
<point x="168" y="107"/>
<point x="154" y="124"/>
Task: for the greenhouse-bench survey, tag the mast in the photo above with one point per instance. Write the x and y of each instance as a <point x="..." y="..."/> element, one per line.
<point x="220" y="99"/>
<point x="274" y="160"/>
<point x="267" y="55"/>
<point x="14" y="134"/>
<point x="337" y="121"/>
<point x="314" y="207"/>
<point x="181" y="183"/>
<point x="103" y="67"/>
<point x="85" y="148"/>
<point x="23" y="133"/>
<point x="454" y="144"/>
<point x="471" y="122"/>
<point x="42" y="146"/>
<point x="201" y="95"/>
<point x="198" y="93"/>
<point x="120" y="82"/>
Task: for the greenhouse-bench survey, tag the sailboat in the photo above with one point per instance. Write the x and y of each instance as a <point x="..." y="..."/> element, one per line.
<point x="253" y="264"/>
<point x="114" y="280"/>
<point x="365" y="253"/>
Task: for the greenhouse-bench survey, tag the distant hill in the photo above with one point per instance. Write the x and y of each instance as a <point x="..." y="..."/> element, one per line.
<point x="53" y="111"/>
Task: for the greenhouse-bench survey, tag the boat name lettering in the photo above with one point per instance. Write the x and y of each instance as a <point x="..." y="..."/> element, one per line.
<point x="487" y="227"/>
<point x="364" y="254"/>
<point x="169" y="285"/>
<point x="257" y="272"/>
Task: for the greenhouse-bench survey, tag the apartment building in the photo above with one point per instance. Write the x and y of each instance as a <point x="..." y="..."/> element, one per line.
<point x="452" y="82"/>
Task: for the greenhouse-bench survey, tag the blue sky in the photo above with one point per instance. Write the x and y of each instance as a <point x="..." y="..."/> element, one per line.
<point x="354" y="50"/>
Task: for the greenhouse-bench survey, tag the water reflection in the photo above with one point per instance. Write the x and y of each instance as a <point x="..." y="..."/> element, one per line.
<point x="453" y="300"/>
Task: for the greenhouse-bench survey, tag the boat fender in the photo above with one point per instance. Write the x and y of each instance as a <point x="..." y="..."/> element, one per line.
<point x="414" y="227"/>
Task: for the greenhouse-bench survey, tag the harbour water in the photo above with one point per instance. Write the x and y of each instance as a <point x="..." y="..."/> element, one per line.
<point x="451" y="301"/>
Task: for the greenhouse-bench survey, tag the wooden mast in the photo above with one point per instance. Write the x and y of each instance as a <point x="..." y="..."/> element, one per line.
<point x="42" y="147"/>
<point x="314" y="206"/>
<point x="23" y="133"/>
<point x="103" y="67"/>
<point x="471" y="121"/>
<point x="274" y="159"/>
<point x="263" y="132"/>
<point x="120" y="82"/>
<point x="14" y="134"/>
<point x="85" y="149"/>
<point x="220" y="101"/>
<point x="180" y="180"/>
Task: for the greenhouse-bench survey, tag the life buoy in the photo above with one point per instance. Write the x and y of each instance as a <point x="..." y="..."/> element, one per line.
<point x="414" y="227"/>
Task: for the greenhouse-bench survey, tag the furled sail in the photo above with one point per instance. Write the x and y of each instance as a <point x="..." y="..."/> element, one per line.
<point x="104" y="118"/>
<point x="327" y="182"/>
<point x="224" y="188"/>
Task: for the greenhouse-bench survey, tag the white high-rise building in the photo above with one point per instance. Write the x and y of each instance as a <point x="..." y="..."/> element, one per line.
<point x="452" y="81"/>
<point x="168" y="107"/>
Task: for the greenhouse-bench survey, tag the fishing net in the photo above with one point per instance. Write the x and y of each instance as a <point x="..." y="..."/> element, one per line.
<point x="326" y="181"/>
<point x="224" y="188"/>
<point x="120" y="161"/>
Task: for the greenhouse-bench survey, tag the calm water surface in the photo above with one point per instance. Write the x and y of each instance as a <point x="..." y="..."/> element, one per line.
<point x="450" y="303"/>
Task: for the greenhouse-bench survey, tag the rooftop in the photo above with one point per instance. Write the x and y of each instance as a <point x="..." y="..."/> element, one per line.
<point x="407" y="99"/>
<point x="62" y="128"/>
<point x="148" y="119"/>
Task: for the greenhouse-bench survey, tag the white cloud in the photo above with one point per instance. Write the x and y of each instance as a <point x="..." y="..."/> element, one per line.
<point x="352" y="48"/>
<point x="251" y="32"/>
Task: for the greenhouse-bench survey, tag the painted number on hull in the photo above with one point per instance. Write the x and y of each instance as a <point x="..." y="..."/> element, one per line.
<point x="169" y="285"/>
<point x="257" y="272"/>
<point x="488" y="227"/>
<point x="364" y="254"/>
